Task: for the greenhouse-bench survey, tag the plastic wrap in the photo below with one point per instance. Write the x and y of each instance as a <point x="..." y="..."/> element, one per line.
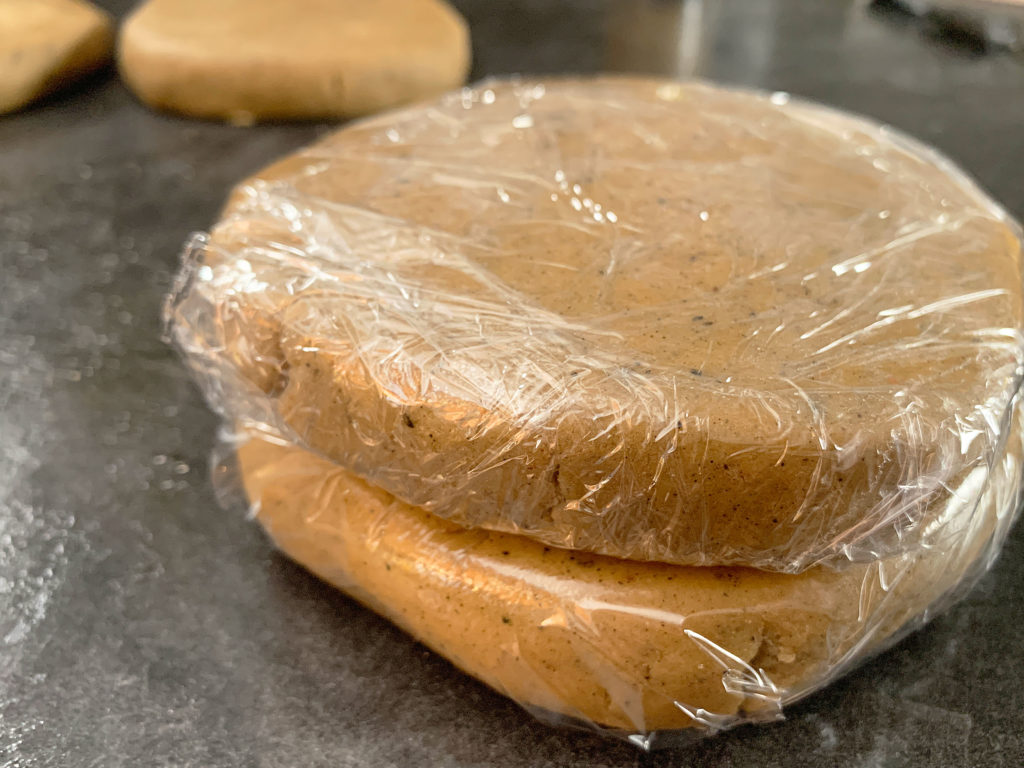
<point x="654" y="406"/>
<point x="647" y="319"/>
<point x="655" y="653"/>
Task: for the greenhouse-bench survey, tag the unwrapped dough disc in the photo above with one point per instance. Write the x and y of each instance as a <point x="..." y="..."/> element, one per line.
<point x="246" y="60"/>
<point x="45" y="44"/>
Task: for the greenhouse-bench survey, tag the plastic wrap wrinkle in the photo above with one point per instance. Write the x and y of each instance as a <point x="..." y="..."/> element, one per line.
<point x="660" y="321"/>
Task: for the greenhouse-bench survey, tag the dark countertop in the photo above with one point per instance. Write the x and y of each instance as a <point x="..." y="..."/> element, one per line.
<point x="142" y="625"/>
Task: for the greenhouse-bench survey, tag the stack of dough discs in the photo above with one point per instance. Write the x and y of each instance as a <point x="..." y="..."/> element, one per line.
<point x="46" y="44"/>
<point x="246" y="60"/>
<point x="649" y="404"/>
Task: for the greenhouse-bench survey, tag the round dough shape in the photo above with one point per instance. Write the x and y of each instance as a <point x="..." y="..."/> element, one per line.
<point x="248" y="60"/>
<point x="653" y="320"/>
<point x="46" y="44"/>
<point x="638" y="647"/>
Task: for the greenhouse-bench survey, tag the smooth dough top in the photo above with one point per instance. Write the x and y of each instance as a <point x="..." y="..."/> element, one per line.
<point x="246" y="60"/>
<point x="650" y="319"/>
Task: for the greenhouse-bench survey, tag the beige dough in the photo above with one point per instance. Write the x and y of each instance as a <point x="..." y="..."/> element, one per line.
<point x="246" y="60"/>
<point x="636" y="646"/>
<point x="654" y="320"/>
<point x="45" y="44"/>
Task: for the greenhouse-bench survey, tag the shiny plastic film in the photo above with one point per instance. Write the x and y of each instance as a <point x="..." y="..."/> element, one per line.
<point x="651" y="404"/>
<point x="652" y="652"/>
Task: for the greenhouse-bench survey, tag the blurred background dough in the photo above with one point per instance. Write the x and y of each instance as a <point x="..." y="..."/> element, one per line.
<point x="249" y="60"/>
<point x="46" y="44"/>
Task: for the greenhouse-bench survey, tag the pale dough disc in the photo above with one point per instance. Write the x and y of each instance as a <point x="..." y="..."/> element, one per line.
<point x="45" y="44"/>
<point x="635" y="646"/>
<point x="246" y="60"/>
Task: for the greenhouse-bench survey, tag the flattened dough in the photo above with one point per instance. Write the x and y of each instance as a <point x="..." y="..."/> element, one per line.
<point x="654" y="320"/>
<point x="45" y="44"/>
<point x="246" y="60"/>
<point x="635" y="646"/>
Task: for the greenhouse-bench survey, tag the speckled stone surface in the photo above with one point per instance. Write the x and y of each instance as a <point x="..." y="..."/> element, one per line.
<point x="142" y="625"/>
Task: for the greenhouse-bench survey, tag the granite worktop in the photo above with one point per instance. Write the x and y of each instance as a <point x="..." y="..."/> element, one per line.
<point x="142" y="625"/>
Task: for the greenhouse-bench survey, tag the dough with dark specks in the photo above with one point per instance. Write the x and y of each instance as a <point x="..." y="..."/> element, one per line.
<point x="635" y="646"/>
<point x="660" y="321"/>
